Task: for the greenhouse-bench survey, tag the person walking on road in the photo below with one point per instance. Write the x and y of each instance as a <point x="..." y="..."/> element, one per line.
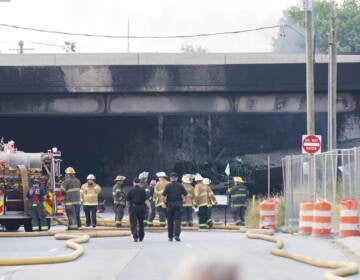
<point x="119" y="199"/>
<point x="36" y="195"/>
<point x="70" y="189"/>
<point x="238" y="196"/>
<point x="174" y="194"/>
<point x="159" y="199"/>
<point x="187" y="216"/>
<point x="89" y="196"/>
<point x="137" y="203"/>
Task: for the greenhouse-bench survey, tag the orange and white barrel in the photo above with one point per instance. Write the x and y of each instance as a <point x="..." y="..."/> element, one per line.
<point x="1" y="202"/>
<point x="306" y="217"/>
<point x="268" y="214"/>
<point x="321" y="225"/>
<point x="349" y="217"/>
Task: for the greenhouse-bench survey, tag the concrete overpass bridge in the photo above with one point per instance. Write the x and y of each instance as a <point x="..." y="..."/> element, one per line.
<point x="125" y="113"/>
<point x="147" y="84"/>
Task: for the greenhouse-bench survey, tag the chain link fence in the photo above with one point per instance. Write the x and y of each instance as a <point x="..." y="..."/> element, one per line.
<point x="329" y="176"/>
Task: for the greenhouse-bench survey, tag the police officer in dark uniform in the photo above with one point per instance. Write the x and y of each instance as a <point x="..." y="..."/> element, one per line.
<point x="137" y="202"/>
<point x="174" y="194"/>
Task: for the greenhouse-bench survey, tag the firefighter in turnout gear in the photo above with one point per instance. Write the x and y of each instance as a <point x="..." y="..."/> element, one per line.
<point x="119" y="199"/>
<point x="70" y="189"/>
<point x="238" y="196"/>
<point x="89" y="197"/>
<point x="36" y="195"/>
<point x="144" y="177"/>
<point x="150" y="221"/>
<point x="202" y="200"/>
<point x="212" y="201"/>
<point x="158" y="196"/>
<point x="187" y="216"/>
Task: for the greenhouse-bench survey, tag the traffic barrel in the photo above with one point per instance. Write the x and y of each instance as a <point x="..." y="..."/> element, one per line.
<point x="321" y="225"/>
<point x="349" y="217"/>
<point x="268" y="214"/>
<point x="306" y="217"/>
<point x="2" y="202"/>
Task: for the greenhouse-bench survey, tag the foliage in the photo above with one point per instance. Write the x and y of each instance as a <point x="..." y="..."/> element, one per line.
<point x="291" y="39"/>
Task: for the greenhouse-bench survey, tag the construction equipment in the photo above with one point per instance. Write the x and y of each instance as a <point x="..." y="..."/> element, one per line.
<point x="17" y="171"/>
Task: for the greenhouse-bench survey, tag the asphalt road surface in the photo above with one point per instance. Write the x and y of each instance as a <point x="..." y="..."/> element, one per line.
<point x="156" y="258"/>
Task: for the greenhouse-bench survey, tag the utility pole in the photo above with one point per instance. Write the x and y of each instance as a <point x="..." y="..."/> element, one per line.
<point x="21" y="47"/>
<point x="332" y="86"/>
<point x="128" y="37"/>
<point x="310" y="115"/>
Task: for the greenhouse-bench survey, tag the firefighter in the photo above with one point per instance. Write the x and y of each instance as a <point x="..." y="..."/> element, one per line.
<point x="212" y="201"/>
<point x="89" y="197"/>
<point x="152" y="203"/>
<point x="137" y="203"/>
<point x="159" y="199"/>
<point x="238" y="195"/>
<point x="144" y="177"/>
<point x="70" y="189"/>
<point x="202" y="201"/>
<point x="119" y="199"/>
<point x="187" y="216"/>
<point x="36" y="195"/>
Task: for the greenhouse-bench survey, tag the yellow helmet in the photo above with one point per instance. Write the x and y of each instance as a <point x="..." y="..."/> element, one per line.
<point x="69" y="170"/>
<point x="120" y="178"/>
<point x="238" y="180"/>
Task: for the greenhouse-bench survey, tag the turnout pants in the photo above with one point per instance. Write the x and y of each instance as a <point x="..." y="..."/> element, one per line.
<point x="90" y="210"/>
<point x="149" y="219"/>
<point x="38" y="218"/>
<point x="71" y="214"/>
<point x="174" y="210"/>
<point x="187" y="216"/>
<point x="119" y="213"/>
<point x="238" y="214"/>
<point x="137" y="215"/>
<point x="209" y="220"/>
<point x="203" y="217"/>
<point x="77" y="214"/>
<point x="162" y="215"/>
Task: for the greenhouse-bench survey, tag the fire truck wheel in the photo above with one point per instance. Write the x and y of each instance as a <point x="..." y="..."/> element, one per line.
<point x="12" y="227"/>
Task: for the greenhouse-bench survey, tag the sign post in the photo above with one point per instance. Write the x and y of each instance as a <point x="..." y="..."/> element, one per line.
<point x="311" y="144"/>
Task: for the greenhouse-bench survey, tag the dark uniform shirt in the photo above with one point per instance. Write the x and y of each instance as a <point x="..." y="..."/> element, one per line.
<point x="174" y="191"/>
<point x="136" y="196"/>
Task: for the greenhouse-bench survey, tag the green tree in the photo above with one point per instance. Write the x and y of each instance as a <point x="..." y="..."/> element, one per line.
<point x="291" y="37"/>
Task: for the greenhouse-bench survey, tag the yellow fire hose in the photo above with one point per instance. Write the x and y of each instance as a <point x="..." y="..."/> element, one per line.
<point x="74" y="239"/>
<point x="340" y="268"/>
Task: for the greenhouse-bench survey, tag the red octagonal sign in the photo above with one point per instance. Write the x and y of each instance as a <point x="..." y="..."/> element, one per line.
<point x="311" y="144"/>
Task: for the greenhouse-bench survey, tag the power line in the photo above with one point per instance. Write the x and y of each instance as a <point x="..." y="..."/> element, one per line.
<point x="141" y="37"/>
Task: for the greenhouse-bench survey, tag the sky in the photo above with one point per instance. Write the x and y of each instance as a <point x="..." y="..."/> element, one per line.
<point x="157" y="17"/>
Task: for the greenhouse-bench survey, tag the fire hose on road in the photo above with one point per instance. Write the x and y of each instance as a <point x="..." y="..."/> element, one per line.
<point x="74" y="239"/>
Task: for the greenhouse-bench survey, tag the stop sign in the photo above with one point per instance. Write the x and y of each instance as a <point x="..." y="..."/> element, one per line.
<point x="311" y="144"/>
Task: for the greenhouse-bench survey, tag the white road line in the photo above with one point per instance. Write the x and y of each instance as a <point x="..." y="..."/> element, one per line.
<point x="189" y="245"/>
<point x="53" y="250"/>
